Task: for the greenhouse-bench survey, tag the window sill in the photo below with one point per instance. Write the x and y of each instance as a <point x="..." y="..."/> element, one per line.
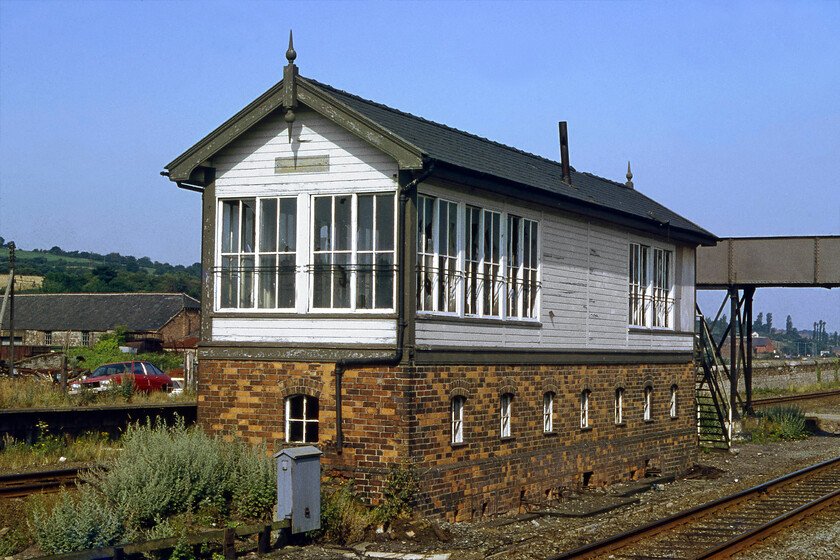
<point x="507" y="439"/>
<point x="621" y="424"/>
<point x="468" y="320"/>
<point x="586" y="429"/>
<point x="552" y="433"/>
<point x="265" y="314"/>
<point x="636" y="329"/>
<point x="649" y="420"/>
<point x="458" y="444"/>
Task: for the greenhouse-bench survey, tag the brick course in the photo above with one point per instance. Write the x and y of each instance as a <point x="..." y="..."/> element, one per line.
<point x="393" y="413"/>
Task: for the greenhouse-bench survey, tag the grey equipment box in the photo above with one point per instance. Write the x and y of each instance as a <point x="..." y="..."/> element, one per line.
<point x="299" y="487"/>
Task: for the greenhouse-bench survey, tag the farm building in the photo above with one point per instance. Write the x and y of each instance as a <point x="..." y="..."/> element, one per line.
<point x="388" y="288"/>
<point x="81" y="319"/>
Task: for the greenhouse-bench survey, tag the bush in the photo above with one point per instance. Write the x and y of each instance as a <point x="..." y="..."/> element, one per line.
<point x="780" y="423"/>
<point x="76" y="523"/>
<point x="344" y="517"/>
<point x="400" y="487"/>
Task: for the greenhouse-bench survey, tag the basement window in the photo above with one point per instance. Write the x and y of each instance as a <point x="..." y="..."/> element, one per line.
<point x="301" y="419"/>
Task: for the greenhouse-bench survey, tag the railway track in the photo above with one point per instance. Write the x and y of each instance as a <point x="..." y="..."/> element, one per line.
<point x="793" y="398"/>
<point x="24" y="484"/>
<point x="724" y="527"/>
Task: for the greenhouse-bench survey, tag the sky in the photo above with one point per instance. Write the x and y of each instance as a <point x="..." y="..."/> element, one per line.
<point x="729" y="112"/>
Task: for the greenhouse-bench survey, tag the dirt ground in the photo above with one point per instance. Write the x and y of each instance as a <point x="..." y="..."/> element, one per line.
<point x="540" y="535"/>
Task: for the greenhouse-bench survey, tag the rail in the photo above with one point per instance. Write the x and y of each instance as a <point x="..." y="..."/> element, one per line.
<point x="24" y="484"/>
<point x="730" y="524"/>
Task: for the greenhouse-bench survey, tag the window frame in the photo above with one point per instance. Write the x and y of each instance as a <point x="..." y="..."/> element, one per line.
<point x="672" y="403"/>
<point x="651" y="287"/>
<point x="304" y="420"/>
<point x="647" y="404"/>
<point x="548" y="412"/>
<point x="585" y="402"/>
<point x="497" y="268"/>
<point x="619" y="406"/>
<point x="456" y="416"/>
<point x="506" y="415"/>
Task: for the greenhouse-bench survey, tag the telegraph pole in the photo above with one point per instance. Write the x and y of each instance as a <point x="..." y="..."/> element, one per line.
<point x="12" y="308"/>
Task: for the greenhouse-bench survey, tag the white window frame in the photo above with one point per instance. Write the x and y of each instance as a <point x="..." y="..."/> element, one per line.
<point x="505" y="414"/>
<point x="303" y="255"/>
<point x="647" y="402"/>
<point x="672" y="406"/>
<point x="305" y="420"/>
<point x="48" y="335"/>
<point x="548" y="412"/>
<point x="456" y="409"/>
<point x="585" y="397"/>
<point x="651" y="287"/>
<point x="486" y="281"/>
<point x="619" y="405"/>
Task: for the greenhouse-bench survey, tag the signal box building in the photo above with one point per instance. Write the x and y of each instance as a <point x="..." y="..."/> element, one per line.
<point x="387" y="288"/>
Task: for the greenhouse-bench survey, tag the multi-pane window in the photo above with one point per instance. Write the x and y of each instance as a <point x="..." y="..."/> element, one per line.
<point x="85" y="338"/>
<point x="48" y="338"/>
<point x="651" y="300"/>
<point x="548" y="412"/>
<point x="673" y="403"/>
<point x="353" y="271"/>
<point x="457" y="415"/>
<point x="646" y="405"/>
<point x="584" y="408"/>
<point x="258" y="240"/>
<point x="619" y="406"/>
<point x="350" y="241"/>
<point x="505" y="414"/>
<point x="302" y="419"/>
<point x="497" y="274"/>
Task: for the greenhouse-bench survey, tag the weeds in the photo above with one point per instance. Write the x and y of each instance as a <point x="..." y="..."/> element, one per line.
<point x="28" y="392"/>
<point x="781" y="423"/>
<point x="344" y="517"/>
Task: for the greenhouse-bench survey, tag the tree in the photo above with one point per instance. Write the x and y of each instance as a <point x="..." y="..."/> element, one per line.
<point x="758" y="324"/>
<point x="789" y="325"/>
<point x="769" y="323"/>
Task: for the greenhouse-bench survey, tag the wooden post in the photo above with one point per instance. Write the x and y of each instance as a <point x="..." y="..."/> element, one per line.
<point x="229" y="544"/>
<point x="264" y="542"/>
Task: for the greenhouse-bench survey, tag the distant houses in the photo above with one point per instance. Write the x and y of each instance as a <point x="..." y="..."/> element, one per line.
<point x="53" y="320"/>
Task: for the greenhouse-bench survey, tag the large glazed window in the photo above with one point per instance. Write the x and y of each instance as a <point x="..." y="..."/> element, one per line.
<point x="353" y="252"/>
<point x="475" y="262"/>
<point x="651" y="286"/>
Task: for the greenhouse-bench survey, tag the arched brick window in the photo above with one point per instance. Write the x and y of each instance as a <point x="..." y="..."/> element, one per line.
<point x="506" y="414"/>
<point x="647" y="404"/>
<point x="548" y="411"/>
<point x="619" y="405"/>
<point x="301" y="419"/>
<point x="456" y="408"/>
<point x="584" y="408"/>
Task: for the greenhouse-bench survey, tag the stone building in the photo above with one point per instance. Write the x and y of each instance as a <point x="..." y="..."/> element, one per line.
<point x="389" y="288"/>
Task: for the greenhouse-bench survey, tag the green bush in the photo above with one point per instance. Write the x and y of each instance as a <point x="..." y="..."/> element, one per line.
<point x="344" y="517"/>
<point x="787" y="422"/>
<point x="254" y="485"/>
<point x="401" y="485"/>
<point x="76" y="523"/>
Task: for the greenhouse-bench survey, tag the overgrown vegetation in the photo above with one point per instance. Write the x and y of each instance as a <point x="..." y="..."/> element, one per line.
<point x="48" y="449"/>
<point x="780" y="423"/>
<point x="107" y="350"/>
<point x="164" y="480"/>
<point x="344" y="516"/>
<point x="32" y="392"/>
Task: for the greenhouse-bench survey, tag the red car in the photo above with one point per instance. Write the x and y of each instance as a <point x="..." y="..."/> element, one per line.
<point x="147" y="377"/>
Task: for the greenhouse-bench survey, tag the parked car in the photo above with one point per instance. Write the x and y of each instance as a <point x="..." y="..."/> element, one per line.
<point x="146" y="376"/>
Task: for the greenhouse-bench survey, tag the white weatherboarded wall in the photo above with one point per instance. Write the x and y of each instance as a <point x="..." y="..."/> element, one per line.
<point x="246" y="168"/>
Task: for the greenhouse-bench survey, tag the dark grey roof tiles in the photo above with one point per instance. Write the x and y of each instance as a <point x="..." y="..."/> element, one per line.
<point x="481" y="155"/>
<point x="97" y="312"/>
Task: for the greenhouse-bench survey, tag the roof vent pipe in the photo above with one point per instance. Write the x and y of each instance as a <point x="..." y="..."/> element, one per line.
<point x="564" y="153"/>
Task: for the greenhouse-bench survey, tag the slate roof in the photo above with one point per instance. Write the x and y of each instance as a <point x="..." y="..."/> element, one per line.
<point x="480" y="155"/>
<point x="97" y="312"/>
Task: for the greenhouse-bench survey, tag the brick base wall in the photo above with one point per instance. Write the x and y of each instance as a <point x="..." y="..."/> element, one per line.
<point x="390" y="414"/>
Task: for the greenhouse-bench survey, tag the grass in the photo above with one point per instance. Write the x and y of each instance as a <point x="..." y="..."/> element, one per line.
<point x="49" y="449"/>
<point x="796" y="389"/>
<point x="29" y="392"/>
<point x="780" y="423"/>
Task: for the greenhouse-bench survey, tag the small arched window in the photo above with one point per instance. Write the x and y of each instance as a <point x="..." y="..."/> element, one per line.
<point x="673" y="402"/>
<point x="505" y="414"/>
<point x="301" y="419"/>
<point x="548" y="412"/>
<point x="457" y="416"/>
<point x="647" y="402"/>
<point x="584" y="408"/>
<point x="619" y="405"/>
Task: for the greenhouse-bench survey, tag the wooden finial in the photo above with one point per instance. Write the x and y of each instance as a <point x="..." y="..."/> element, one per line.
<point x="290" y="87"/>
<point x="629" y="182"/>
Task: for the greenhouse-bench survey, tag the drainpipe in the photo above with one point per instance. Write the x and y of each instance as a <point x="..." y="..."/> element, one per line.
<point x="394" y="359"/>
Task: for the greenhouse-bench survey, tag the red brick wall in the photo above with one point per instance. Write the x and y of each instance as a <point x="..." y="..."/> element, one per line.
<point x="403" y="412"/>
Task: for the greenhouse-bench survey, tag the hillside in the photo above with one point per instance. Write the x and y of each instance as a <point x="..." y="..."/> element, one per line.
<point x="59" y="271"/>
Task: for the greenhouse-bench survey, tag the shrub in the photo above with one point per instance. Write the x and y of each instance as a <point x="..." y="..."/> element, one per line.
<point x="254" y="485"/>
<point x="344" y="517"/>
<point x="76" y="523"/>
<point x="400" y="488"/>
<point x="780" y="423"/>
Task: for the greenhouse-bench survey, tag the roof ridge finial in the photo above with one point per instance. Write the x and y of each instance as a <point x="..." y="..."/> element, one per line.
<point x="629" y="176"/>
<point x="291" y="55"/>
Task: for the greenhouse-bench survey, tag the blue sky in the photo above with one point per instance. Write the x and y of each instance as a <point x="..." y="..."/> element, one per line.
<point x="728" y="112"/>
